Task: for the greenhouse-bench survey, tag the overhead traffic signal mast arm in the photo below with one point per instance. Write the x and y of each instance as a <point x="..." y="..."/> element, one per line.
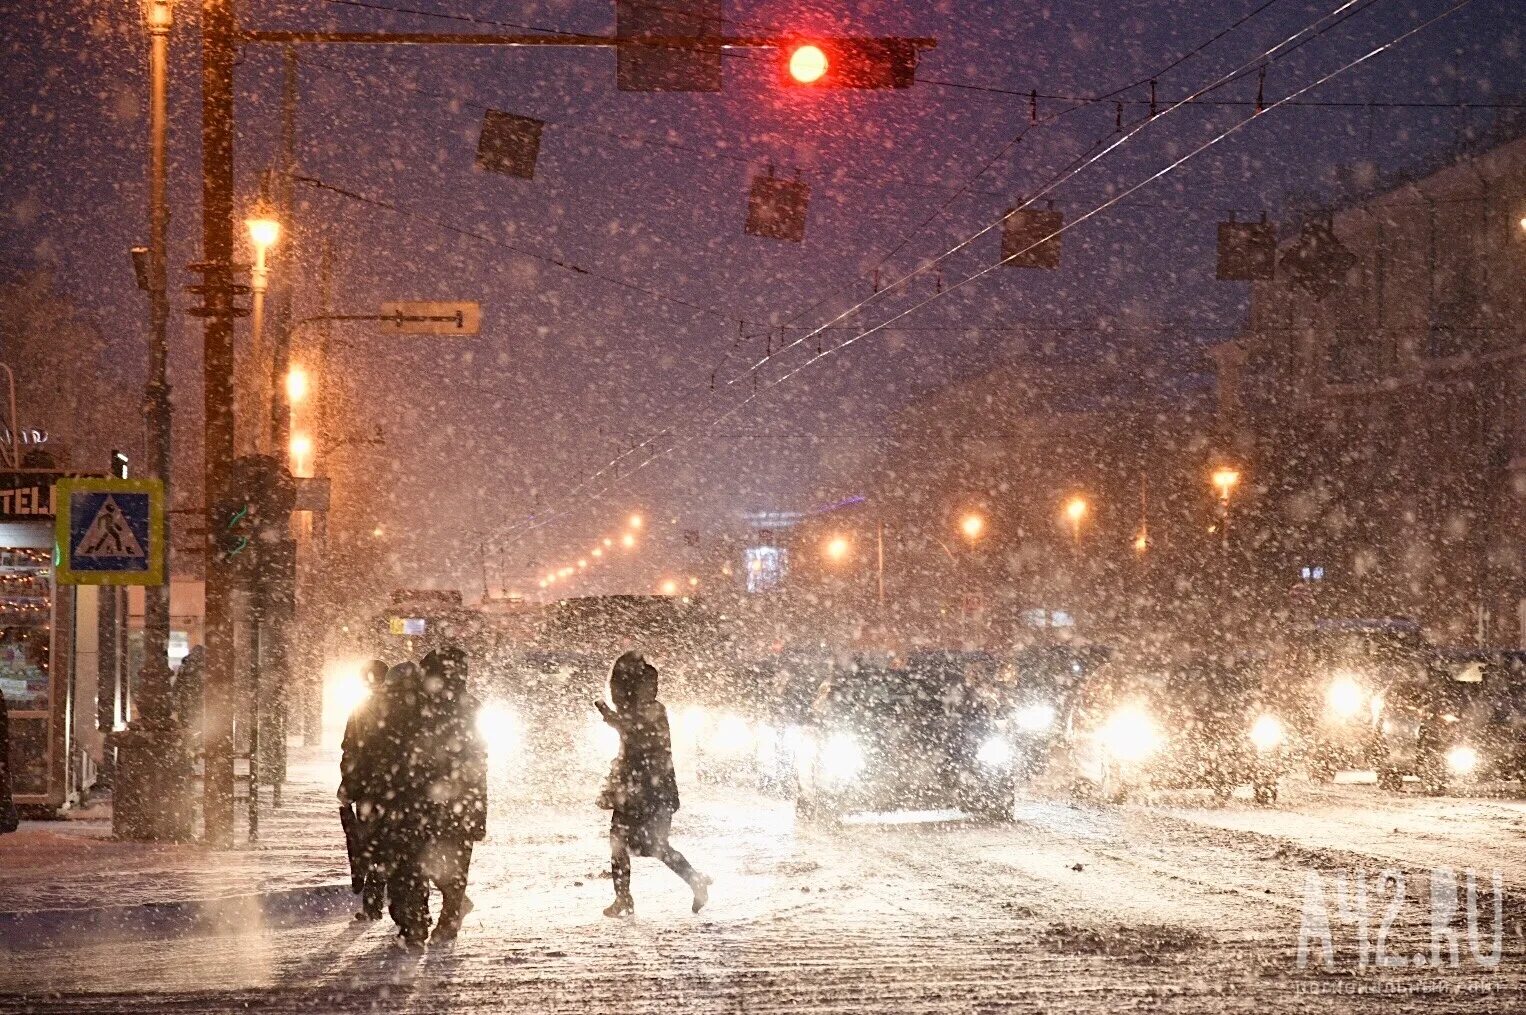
<point x="693" y="42"/>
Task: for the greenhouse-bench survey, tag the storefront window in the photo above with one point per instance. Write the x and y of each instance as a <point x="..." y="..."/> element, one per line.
<point x="26" y="602"/>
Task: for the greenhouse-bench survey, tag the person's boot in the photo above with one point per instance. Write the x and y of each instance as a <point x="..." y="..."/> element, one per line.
<point x="701" y="886"/>
<point x="623" y="905"/>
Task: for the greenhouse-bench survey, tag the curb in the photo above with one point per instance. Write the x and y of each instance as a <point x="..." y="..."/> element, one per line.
<point x="44" y="928"/>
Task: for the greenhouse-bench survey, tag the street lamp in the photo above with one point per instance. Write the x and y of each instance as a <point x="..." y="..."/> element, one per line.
<point x="1076" y="510"/>
<point x="1225" y="479"/>
<point x="297" y="384"/>
<point x="628" y="541"/>
<point x="301" y="453"/>
<point x="973" y="525"/>
<point x="837" y="548"/>
<point x="669" y="587"/>
<point x="264" y="232"/>
<point x="635" y="521"/>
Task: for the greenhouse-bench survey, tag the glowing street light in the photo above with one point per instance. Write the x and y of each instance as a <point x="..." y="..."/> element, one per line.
<point x="1076" y="510"/>
<point x="378" y="532"/>
<point x="582" y="564"/>
<point x="635" y="521"/>
<point x="669" y="587"/>
<point x="301" y="449"/>
<point x="973" y="526"/>
<point x="1225" y="479"/>
<point x="628" y="541"/>
<point x="598" y="551"/>
<point x="808" y="64"/>
<point x="837" y="548"/>
<point x="297" y="384"/>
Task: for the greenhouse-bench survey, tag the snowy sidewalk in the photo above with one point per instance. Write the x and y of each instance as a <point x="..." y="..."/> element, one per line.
<point x="59" y="877"/>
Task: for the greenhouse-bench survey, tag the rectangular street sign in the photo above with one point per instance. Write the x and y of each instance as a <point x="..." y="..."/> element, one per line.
<point x="109" y="532"/>
<point x="420" y="317"/>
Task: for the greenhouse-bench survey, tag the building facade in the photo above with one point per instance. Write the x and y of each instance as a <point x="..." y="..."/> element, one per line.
<point x="1379" y="390"/>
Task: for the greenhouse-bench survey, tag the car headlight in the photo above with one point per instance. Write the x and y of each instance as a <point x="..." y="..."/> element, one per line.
<point x="1130" y="734"/>
<point x="499" y="726"/>
<point x="1462" y="760"/>
<point x="690" y="721"/>
<point x="729" y="736"/>
<point x="841" y="758"/>
<point x="603" y="741"/>
<point x="1035" y="718"/>
<point x="1267" y="733"/>
<point x="996" y="752"/>
<point x="1345" y="697"/>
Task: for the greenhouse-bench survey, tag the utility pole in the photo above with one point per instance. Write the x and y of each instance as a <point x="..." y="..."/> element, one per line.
<point x="218" y="32"/>
<point x="155" y="682"/>
<point x="152" y="780"/>
<point x="282" y="612"/>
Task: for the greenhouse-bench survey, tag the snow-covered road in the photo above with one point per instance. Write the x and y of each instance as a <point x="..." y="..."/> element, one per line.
<point x="1176" y="906"/>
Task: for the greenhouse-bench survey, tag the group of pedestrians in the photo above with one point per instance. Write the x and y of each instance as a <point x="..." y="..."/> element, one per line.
<point x="413" y="793"/>
<point x="413" y="790"/>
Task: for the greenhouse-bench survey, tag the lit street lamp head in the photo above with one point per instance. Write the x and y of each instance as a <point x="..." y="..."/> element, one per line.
<point x="973" y="526"/>
<point x="837" y="548"/>
<point x="296" y="384"/>
<point x="1076" y="509"/>
<point x="1225" y="479"/>
<point x="264" y="231"/>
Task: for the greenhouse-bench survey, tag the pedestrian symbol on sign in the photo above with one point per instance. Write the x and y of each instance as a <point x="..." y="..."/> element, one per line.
<point x="110" y="535"/>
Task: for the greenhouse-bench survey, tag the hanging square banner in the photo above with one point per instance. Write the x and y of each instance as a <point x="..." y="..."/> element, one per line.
<point x="109" y="532"/>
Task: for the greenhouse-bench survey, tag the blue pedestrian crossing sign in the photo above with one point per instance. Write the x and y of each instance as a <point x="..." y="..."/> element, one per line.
<point x="109" y="532"/>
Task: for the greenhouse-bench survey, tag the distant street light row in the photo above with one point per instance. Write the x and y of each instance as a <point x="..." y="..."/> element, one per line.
<point x="596" y="554"/>
<point x="1074" y="510"/>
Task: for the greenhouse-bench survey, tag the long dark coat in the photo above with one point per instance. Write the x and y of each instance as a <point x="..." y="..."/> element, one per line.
<point x="642" y="784"/>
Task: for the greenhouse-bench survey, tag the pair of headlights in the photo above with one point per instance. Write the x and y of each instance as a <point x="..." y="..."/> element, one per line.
<point x="1131" y="734"/>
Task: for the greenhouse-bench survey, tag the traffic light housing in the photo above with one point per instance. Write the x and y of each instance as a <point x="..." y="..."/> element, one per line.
<point x="692" y="67"/>
<point x="848" y="63"/>
<point x="776" y="208"/>
<point x="252" y="509"/>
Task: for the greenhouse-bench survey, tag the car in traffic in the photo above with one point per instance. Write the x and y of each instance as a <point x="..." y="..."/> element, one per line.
<point x="891" y="734"/>
<point x="1204" y="722"/>
<point x="1335" y="674"/>
<point x="1460" y="723"/>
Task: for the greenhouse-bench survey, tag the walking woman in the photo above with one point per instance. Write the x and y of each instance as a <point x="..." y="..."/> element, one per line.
<point x="641" y="790"/>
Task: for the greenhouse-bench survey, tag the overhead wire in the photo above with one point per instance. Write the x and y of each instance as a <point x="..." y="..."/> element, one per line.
<point x="826" y="175"/>
<point x="1092" y="156"/>
<point x="551" y="259"/>
<point x="1075" y="167"/>
<point x="526" y="527"/>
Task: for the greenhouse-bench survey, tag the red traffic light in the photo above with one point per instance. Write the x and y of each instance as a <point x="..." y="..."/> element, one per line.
<point x="849" y="63"/>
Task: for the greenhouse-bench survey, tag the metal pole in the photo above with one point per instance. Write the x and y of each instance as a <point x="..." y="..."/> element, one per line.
<point x="280" y="410"/>
<point x="283" y="615"/>
<point x="154" y="683"/>
<point x="254" y="720"/>
<point x="259" y="283"/>
<point x="218" y="29"/>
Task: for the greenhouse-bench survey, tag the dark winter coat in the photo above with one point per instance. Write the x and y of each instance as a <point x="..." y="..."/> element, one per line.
<point x="9" y="820"/>
<point x="401" y="787"/>
<point x="641" y="782"/>
<point x="363" y="755"/>
<point x="452" y="751"/>
<point x="186" y="692"/>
